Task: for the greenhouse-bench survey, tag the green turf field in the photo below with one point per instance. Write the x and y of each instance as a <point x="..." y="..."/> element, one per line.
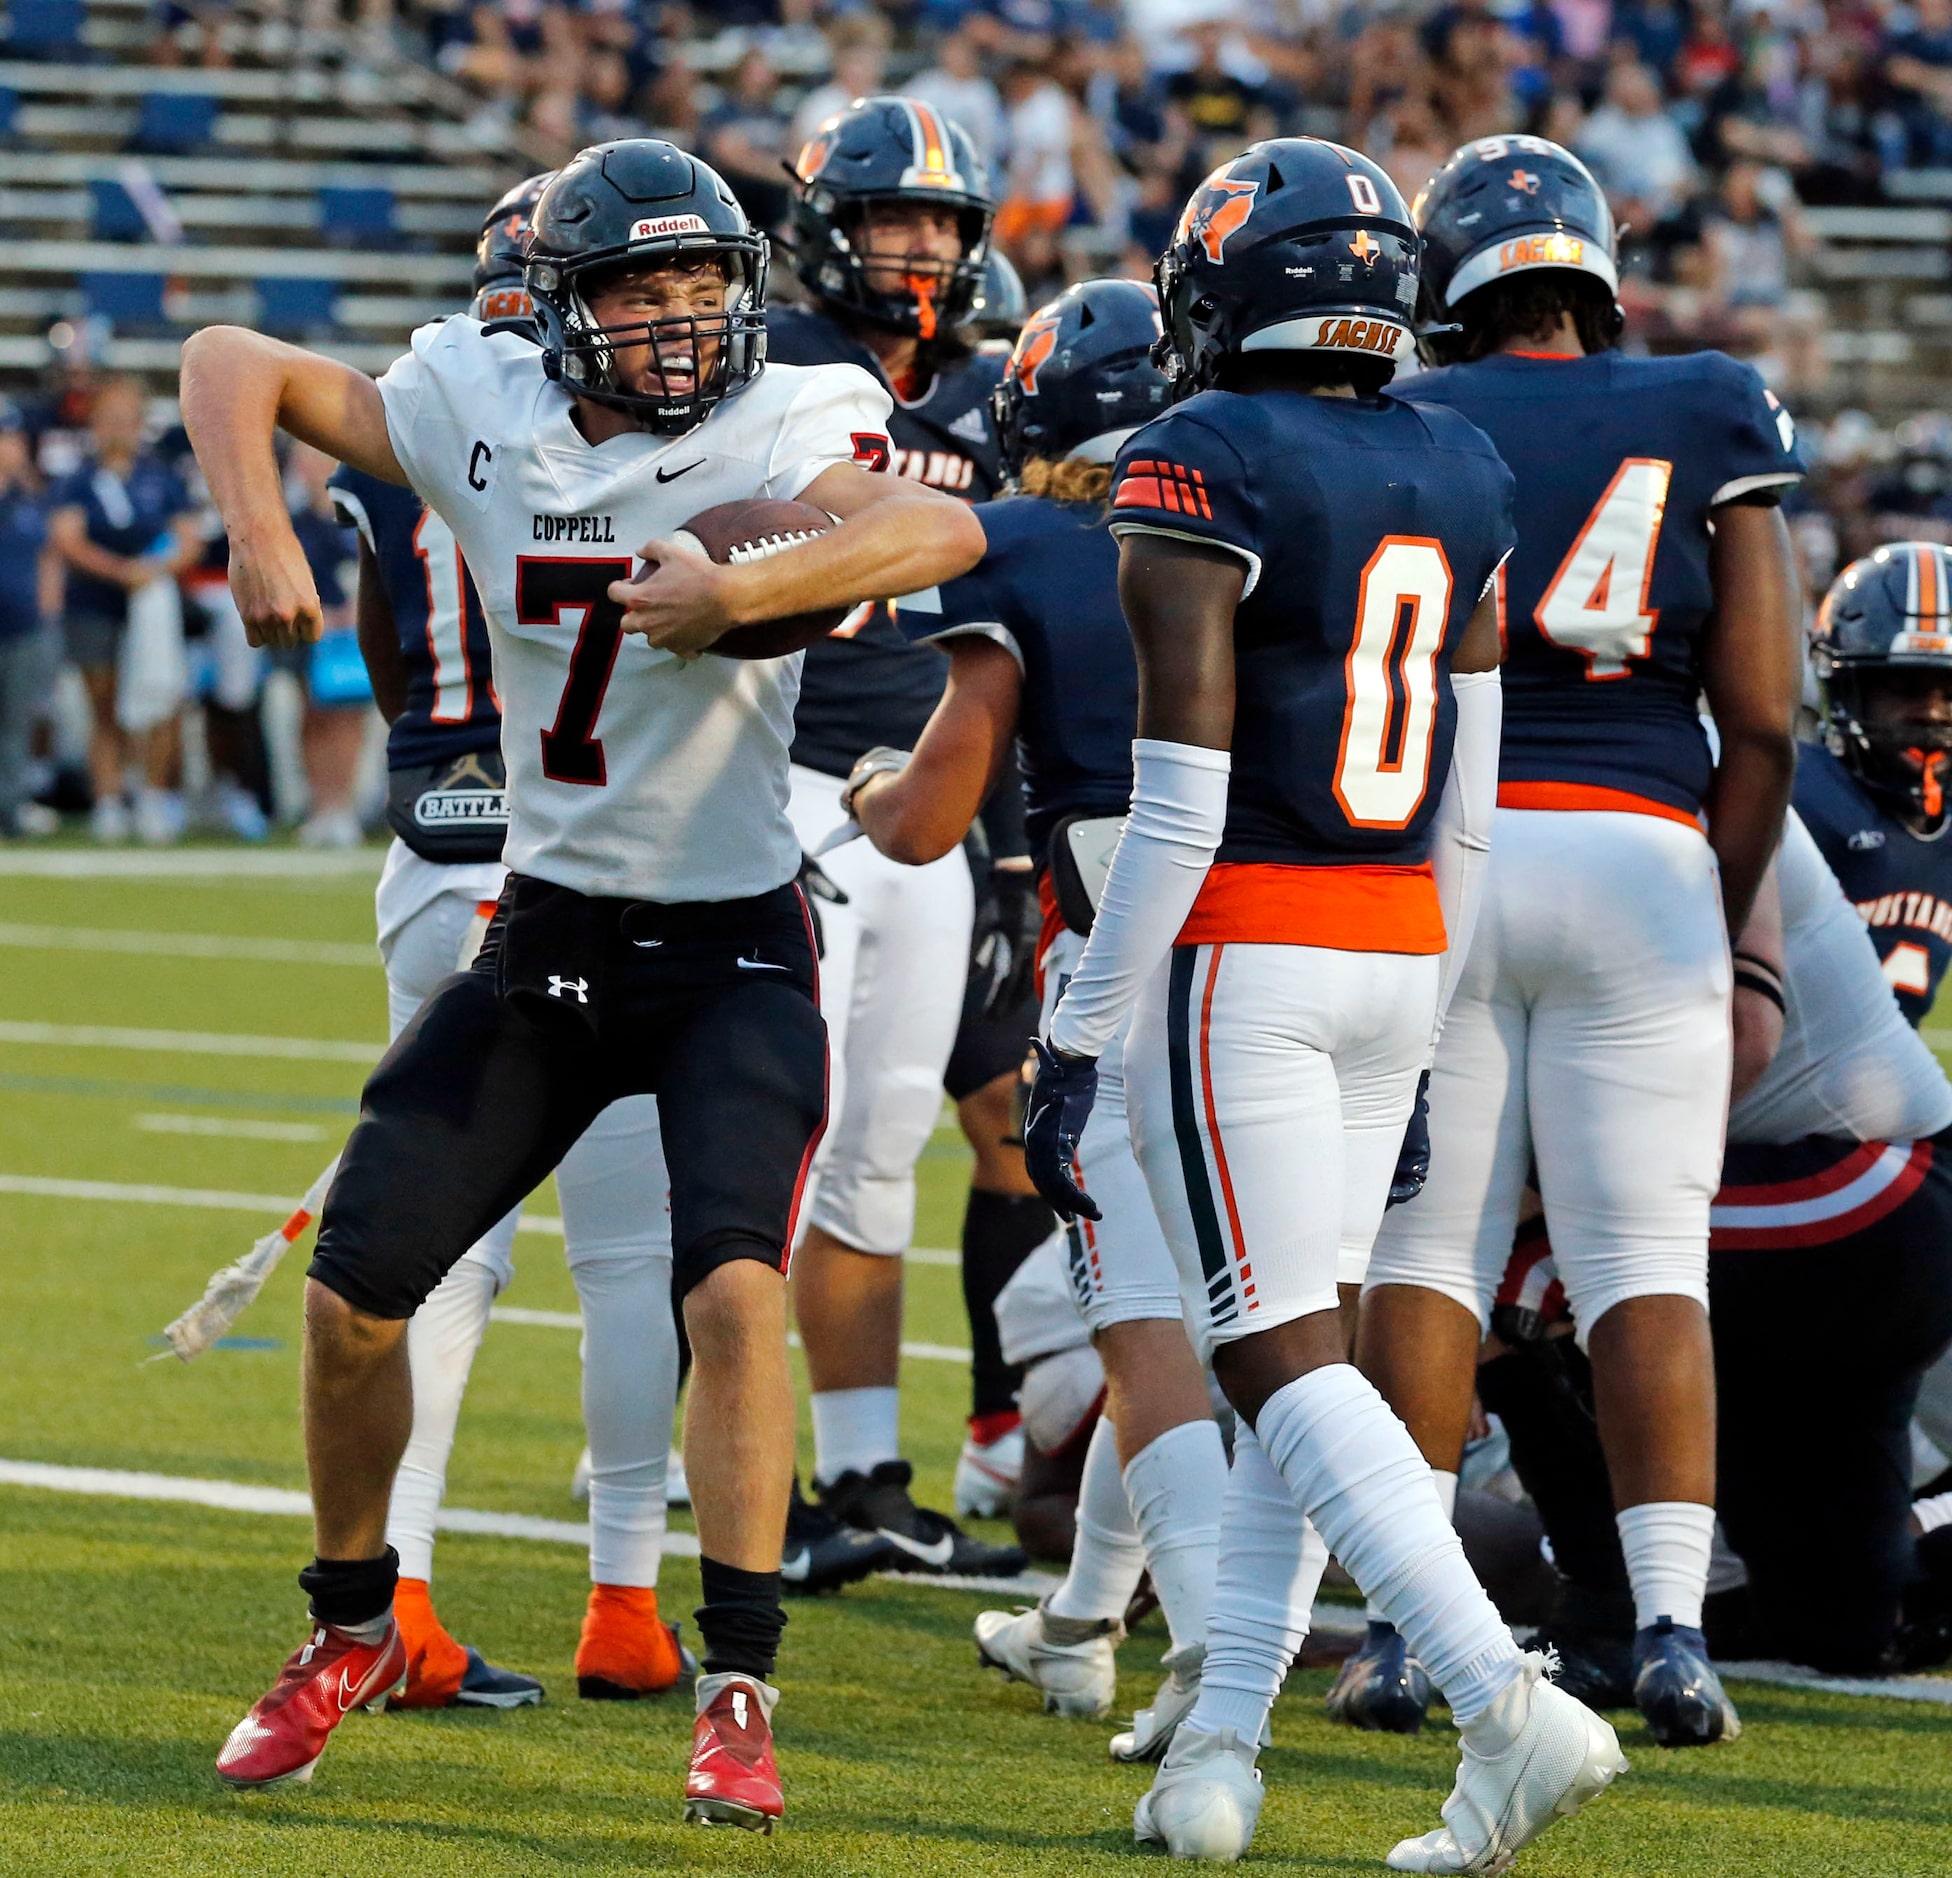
<point x="133" y="1635"/>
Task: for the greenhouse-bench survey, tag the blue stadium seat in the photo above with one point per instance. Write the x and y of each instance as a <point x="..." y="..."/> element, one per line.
<point x="297" y="308"/>
<point x="9" y="112"/>
<point x="116" y="217"/>
<point x="360" y="215"/>
<point x="44" y="29"/>
<point x="174" y="123"/>
<point x="125" y="300"/>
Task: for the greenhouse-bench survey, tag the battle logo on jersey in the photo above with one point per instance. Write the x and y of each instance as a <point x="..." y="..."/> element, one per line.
<point x="1218" y="209"/>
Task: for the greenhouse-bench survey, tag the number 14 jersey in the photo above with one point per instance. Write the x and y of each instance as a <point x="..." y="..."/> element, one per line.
<point x="631" y="772"/>
<point x="1619" y="462"/>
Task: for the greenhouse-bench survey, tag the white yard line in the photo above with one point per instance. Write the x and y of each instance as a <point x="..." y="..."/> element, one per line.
<point x="221" y="1200"/>
<point x="191" y="1042"/>
<point x="228" y="1127"/>
<point x="191" y="863"/>
<point x="570" y="1320"/>
<point x="188" y="945"/>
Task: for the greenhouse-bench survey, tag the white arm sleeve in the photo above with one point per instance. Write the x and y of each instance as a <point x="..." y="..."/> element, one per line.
<point x="1460" y="838"/>
<point x="1179" y="812"/>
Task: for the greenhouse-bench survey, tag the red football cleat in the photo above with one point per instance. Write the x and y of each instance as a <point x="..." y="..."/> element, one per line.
<point x="734" y="1780"/>
<point x="283" y="1736"/>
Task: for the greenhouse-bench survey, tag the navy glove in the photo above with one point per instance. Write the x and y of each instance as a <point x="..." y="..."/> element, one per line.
<point x="1060" y="1105"/>
<point x="1413" y="1158"/>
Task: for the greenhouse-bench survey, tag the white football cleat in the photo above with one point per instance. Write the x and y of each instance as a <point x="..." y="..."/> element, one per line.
<point x="1151" y="1733"/>
<point x="1070" y="1659"/>
<point x="1536" y="1755"/>
<point x="1205" y="1800"/>
<point x="987" y="1475"/>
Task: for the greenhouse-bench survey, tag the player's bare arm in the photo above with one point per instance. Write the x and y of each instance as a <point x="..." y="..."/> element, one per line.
<point x="1179" y="601"/>
<point x="918" y="815"/>
<point x="1752" y="674"/>
<point x="379" y="637"/>
<point x="1481" y="649"/>
<point x="896" y="536"/>
<point x="238" y="390"/>
<point x="1758" y="1010"/>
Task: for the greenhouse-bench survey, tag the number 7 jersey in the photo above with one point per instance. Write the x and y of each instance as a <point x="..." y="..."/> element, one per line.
<point x="632" y="773"/>
<point x="1619" y="462"/>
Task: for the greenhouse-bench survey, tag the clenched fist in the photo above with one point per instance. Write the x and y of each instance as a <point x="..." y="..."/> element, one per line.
<point x="272" y="583"/>
<point x="680" y="601"/>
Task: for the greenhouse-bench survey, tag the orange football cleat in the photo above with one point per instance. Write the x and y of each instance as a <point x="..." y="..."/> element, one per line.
<point x="627" y="1649"/>
<point x="435" y="1662"/>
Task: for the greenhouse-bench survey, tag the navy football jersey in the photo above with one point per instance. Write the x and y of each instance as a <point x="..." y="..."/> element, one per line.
<point x="1618" y="463"/>
<point x="1048" y="590"/>
<point x="451" y="704"/>
<point x="866" y="684"/>
<point x="1900" y="882"/>
<point x="1370" y="528"/>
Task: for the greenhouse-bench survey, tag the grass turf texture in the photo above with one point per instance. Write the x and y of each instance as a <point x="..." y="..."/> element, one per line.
<point x="132" y="1636"/>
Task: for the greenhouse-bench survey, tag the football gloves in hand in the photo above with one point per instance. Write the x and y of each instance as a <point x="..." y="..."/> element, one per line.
<point x="1060" y="1106"/>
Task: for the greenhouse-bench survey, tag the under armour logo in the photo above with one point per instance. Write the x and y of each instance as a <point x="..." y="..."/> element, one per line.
<point x="570" y="987"/>
<point x="1866" y="839"/>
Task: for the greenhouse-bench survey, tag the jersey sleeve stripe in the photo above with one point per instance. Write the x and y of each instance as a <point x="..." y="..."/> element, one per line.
<point x="993" y="630"/>
<point x="1127" y="526"/>
<point x="1748" y="485"/>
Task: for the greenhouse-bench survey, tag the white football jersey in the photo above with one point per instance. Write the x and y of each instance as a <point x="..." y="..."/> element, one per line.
<point x="1849" y="1064"/>
<point x="631" y="772"/>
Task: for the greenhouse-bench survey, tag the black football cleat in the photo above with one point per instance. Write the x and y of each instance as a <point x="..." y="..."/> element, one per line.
<point x="920" y="1540"/>
<point x="823" y="1552"/>
<point x="1676" y="1689"/>
<point x="1595" y="1666"/>
<point x="1382" y="1687"/>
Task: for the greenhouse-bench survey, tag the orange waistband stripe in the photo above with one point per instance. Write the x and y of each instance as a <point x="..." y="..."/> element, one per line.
<point x="1564" y="795"/>
<point x="1354" y="908"/>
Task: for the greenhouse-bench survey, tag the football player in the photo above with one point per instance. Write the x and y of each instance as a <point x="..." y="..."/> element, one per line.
<point x="651" y="939"/>
<point x="891" y="220"/>
<point x="1039" y="656"/>
<point x="1590" y="1027"/>
<point x="426" y="646"/>
<point x="1873" y="794"/>
<point x="1306" y="566"/>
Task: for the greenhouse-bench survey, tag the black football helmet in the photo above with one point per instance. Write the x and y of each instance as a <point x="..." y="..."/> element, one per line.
<point x="1889" y="613"/>
<point x="500" y="292"/>
<point x="630" y="206"/>
<point x="1082" y="368"/>
<point x="1506" y="205"/>
<point x="1296" y="245"/>
<point x="881" y="150"/>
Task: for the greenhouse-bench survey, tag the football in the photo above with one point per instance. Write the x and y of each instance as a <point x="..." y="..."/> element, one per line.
<point x="734" y="532"/>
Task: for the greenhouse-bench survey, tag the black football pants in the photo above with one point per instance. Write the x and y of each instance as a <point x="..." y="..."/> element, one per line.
<point x="573" y="1003"/>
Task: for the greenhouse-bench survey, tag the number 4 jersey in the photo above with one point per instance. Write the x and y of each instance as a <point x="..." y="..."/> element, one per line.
<point x="1370" y="528"/>
<point x="631" y="772"/>
<point x="1619" y="462"/>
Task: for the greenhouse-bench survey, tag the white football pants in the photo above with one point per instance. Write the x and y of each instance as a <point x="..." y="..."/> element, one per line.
<point x="1589" y="1033"/>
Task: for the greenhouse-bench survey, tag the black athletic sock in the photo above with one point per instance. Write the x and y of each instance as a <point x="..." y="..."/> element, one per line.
<point x="349" y="1592"/>
<point x="740" y="1619"/>
<point x="999" y="1231"/>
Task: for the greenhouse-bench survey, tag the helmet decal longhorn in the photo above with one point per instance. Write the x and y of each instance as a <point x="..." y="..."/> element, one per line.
<point x="1036" y="344"/>
<point x="1219" y="208"/>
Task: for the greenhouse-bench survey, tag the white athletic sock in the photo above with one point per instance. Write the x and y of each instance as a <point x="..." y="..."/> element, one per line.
<point x="1667" y="1544"/>
<point x="1107" y="1558"/>
<point x="1447" y="1499"/>
<point x="1933" y="1513"/>
<point x="442" y="1337"/>
<point x="630" y="1383"/>
<point x="1271" y="1564"/>
<point x="1356" y="1473"/>
<point x="1177" y="1486"/>
<point x="854" y="1431"/>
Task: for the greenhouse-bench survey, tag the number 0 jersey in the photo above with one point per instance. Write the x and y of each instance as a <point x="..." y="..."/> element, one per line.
<point x="1618" y="463"/>
<point x="631" y="772"/>
<point x="451" y="709"/>
<point x="1370" y="529"/>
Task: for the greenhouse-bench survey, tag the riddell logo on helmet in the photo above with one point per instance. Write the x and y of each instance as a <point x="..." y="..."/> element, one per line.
<point x="1541" y="251"/>
<point x="654" y="226"/>
<point x="1360" y="335"/>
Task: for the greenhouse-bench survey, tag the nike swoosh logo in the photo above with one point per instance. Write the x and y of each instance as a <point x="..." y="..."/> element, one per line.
<point x="758" y="965"/>
<point x="348" y="1695"/>
<point x="794" y="1569"/>
<point x="671" y="476"/>
<point x="645" y="945"/>
<point x="938" y="1554"/>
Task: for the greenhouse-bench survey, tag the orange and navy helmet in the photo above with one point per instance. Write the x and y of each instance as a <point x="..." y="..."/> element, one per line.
<point x="882" y="150"/>
<point x="500" y="293"/>
<point x="1510" y="205"/>
<point x="1885" y="617"/>
<point x="1081" y="374"/>
<point x="1296" y="245"/>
